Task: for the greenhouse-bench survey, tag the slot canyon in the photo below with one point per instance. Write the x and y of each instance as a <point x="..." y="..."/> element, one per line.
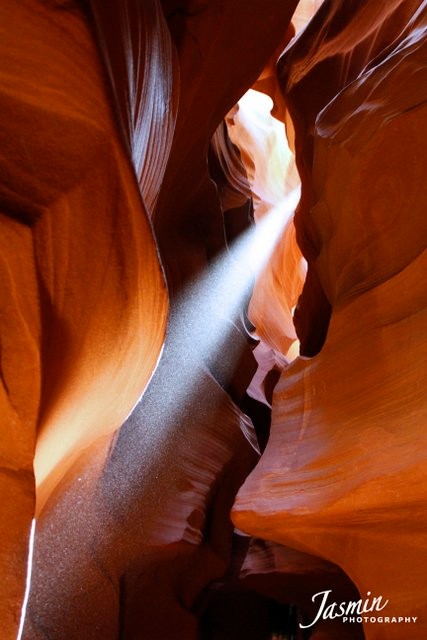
<point x="213" y="331"/>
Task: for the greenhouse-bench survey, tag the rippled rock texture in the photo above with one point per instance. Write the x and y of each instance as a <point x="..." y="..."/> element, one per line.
<point x="83" y="300"/>
<point x="344" y="470"/>
<point x="144" y="356"/>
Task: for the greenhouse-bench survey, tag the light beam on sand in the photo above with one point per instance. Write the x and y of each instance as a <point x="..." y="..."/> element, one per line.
<point x="135" y="465"/>
<point x="201" y="334"/>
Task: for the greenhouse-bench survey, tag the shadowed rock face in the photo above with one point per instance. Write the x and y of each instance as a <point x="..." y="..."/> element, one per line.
<point x="210" y="37"/>
<point x="142" y="66"/>
<point x="116" y="167"/>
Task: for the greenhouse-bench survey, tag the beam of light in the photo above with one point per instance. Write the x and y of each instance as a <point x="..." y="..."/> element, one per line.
<point x="210" y="305"/>
<point x="201" y="323"/>
<point x="202" y="342"/>
<point x="28" y="580"/>
<point x="202" y="318"/>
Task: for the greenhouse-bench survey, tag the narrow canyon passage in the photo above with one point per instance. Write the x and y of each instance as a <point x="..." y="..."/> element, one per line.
<point x="212" y="330"/>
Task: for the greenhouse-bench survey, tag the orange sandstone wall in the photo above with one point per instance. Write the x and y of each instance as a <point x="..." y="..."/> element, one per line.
<point x="130" y="446"/>
<point x="92" y="146"/>
<point x="344" y="471"/>
<point x="83" y="302"/>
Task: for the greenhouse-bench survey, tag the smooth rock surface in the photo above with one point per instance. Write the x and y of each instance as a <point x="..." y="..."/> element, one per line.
<point x="83" y="301"/>
<point x="344" y="471"/>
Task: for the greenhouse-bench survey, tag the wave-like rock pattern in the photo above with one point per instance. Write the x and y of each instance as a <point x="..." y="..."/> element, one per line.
<point x="343" y="473"/>
<point x="83" y="302"/>
<point x="141" y="62"/>
<point x="110" y="109"/>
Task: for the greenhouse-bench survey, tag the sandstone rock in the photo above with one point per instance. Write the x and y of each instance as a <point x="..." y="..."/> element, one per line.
<point x="218" y="62"/>
<point x="114" y="114"/>
<point x="83" y="299"/>
<point x="143" y="70"/>
<point x="342" y="475"/>
<point x="138" y="528"/>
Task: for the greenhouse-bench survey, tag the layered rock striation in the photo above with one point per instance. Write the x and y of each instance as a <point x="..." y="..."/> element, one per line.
<point x="135" y="409"/>
<point x="343" y="473"/>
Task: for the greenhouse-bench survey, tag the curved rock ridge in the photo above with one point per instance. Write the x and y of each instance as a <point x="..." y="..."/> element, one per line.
<point x="343" y="473"/>
<point x="328" y="55"/>
<point x="287" y="575"/>
<point x="385" y="128"/>
<point x="228" y="172"/>
<point x="318" y="487"/>
<point x="141" y="61"/>
<point x="83" y="302"/>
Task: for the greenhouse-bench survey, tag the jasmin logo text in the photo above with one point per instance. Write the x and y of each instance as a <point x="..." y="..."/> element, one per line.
<point x="353" y="611"/>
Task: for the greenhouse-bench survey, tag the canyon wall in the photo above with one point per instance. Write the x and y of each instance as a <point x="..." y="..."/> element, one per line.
<point x="191" y="475"/>
<point x="344" y="470"/>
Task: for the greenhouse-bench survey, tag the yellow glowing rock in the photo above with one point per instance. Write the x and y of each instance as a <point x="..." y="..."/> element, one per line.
<point x="273" y="178"/>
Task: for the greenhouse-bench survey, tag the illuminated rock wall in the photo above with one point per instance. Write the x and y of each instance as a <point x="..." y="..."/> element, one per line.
<point x="344" y="471"/>
<point x="84" y="308"/>
<point x="83" y="300"/>
<point x="117" y="176"/>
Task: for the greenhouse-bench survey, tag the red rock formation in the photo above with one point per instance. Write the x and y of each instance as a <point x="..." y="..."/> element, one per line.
<point x="220" y="56"/>
<point x="142" y="66"/>
<point x="83" y="303"/>
<point x="94" y="320"/>
<point x="330" y="55"/>
<point x="114" y="114"/>
<point x="343" y="473"/>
